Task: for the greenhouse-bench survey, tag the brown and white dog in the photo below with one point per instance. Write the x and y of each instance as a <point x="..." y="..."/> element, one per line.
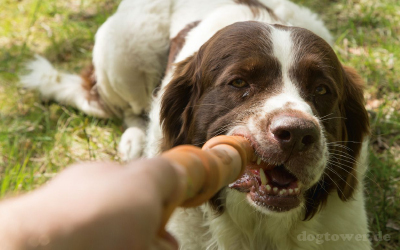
<point x="263" y="70"/>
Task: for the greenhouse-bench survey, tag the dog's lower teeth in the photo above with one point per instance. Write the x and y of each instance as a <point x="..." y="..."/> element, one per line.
<point x="258" y="161"/>
<point x="268" y="189"/>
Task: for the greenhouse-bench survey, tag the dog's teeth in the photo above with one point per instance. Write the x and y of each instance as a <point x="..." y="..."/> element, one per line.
<point x="263" y="177"/>
<point x="258" y="161"/>
<point x="275" y="190"/>
<point x="290" y="191"/>
<point x="268" y="187"/>
<point x="296" y="190"/>
<point x="283" y="191"/>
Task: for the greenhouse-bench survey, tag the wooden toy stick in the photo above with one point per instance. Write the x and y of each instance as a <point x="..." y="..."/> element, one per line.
<point x="205" y="171"/>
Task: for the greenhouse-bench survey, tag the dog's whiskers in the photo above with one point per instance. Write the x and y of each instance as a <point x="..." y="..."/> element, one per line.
<point x="358" y="171"/>
<point x="337" y="186"/>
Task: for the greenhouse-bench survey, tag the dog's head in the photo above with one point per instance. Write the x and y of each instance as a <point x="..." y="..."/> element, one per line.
<point x="284" y="89"/>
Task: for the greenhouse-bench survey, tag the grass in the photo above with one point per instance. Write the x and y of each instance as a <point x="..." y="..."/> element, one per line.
<point x="38" y="139"/>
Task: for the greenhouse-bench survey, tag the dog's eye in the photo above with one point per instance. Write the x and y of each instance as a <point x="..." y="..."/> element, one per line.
<point x="239" y="83"/>
<point x="321" y="90"/>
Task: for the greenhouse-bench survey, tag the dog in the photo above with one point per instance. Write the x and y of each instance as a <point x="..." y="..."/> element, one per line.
<point x="261" y="69"/>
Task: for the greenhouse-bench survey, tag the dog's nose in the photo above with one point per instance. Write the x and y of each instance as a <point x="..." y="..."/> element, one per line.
<point x="294" y="133"/>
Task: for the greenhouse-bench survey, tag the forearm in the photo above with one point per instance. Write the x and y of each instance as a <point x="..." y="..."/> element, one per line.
<point x="50" y="219"/>
<point x="24" y="224"/>
<point x="91" y="206"/>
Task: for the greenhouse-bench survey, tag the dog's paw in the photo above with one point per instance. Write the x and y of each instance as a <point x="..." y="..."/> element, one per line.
<point x="132" y="143"/>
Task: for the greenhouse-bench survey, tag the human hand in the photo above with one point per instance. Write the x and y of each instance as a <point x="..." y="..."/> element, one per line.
<point x="94" y="206"/>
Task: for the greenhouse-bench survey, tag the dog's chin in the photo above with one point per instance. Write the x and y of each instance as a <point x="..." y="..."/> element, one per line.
<point x="270" y="189"/>
<point x="238" y="198"/>
<point x="273" y="210"/>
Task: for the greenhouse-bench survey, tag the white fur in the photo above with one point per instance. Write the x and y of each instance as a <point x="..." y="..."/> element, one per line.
<point x="130" y="57"/>
<point x="283" y="50"/>
<point x="241" y="226"/>
<point x="131" y="50"/>
<point x="213" y="22"/>
<point x="133" y="139"/>
<point x="61" y="87"/>
<point x="154" y="134"/>
<point x="299" y="16"/>
<point x="129" y="64"/>
<point x="246" y="226"/>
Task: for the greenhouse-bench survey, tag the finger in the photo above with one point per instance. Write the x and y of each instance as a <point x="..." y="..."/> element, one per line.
<point x="170" y="239"/>
<point x="162" y="244"/>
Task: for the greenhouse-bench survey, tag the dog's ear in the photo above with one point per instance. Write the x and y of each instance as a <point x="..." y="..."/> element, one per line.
<point x="178" y="102"/>
<point x="355" y="126"/>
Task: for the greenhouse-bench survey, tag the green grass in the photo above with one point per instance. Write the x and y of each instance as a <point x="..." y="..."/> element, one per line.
<point x="39" y="139"/>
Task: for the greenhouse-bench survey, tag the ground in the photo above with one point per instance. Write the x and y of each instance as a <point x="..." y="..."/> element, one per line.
<point x="38" y="139"/>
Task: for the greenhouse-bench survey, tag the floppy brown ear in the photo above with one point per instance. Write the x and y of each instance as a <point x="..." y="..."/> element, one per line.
<point x="178" y="103"/>
<point x="355" y="128"/>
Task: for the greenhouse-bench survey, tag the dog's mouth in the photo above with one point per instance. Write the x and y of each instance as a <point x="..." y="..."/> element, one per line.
<point x="270" y="186"/>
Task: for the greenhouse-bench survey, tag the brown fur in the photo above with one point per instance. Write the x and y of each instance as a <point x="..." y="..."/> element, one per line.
<point x="178" y="42"/>
<point x="89" y="84"/>
<point x="255" y="7"/>
<point x="318" y="64"/>
<point x="199" y="103"/>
